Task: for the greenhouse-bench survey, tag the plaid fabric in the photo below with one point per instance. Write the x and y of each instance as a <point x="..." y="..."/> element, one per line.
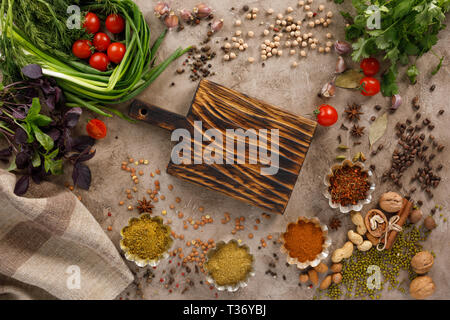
<point x="56" y="245"/>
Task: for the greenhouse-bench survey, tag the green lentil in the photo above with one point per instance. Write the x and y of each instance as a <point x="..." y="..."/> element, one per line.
<point x="391" y="262"/>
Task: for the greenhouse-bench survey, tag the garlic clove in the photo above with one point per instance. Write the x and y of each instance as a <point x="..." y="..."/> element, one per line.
<point x="340" y="65"/>
<point x="161" y="9"/>
<point x="396" y="101"/>
<point x="202" y="10"/>
<point x="171" y="21"/>
<point x="217" y="25"/>
<point x="328" y="90"/>
<point x="186" y="15"/>
<point x="342" y="47"/>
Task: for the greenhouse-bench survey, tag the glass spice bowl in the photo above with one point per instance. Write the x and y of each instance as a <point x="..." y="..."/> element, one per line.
<point x="136" y="259"/>
<point x="240" y="284"/>
<point x="321" y="256"/>
<point x="358" y="206"/>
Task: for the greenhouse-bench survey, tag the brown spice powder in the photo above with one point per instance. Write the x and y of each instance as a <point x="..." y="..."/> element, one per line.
<point x="303" y="240"/>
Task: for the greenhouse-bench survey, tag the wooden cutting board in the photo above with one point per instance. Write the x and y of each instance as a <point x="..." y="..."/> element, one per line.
<point x="222" y="108"/>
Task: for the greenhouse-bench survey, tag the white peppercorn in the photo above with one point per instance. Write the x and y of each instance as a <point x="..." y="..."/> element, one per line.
<point x="263" y="57"/>
<point x="292" y="52"/>
<point x="329" y="14"/>
<point x="303" y="53"/>
<point x="251" y="59"/>
<point x="294" y="64"/>
<point x="237" y="23"/>
<point x="233" y="55"/>
<point x="321" y="7"/>
<point x="311" y="24"/>
<point x="250" y="34"/>
<point x="289" y="9"/>
<point x="270" y="11"/>
<point x="226" y="57"/>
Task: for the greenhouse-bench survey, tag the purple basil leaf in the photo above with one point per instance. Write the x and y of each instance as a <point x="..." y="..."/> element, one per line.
<point x="22" y="160"/>
<point x="58" y="94"/>
<point x="85" y="156"/>
<point x="6" y="153"/>
<point x="55" y="134"/>
<point x="50" y="101"/>
<point x="19" y="114"/>
<point x="81" y="143"/>
<point x="22" y="185"/>
<point x="72" y="116"/>
<point x="32" y="71"/>
<point x="81" y="176"/>
<point x="20" y="137"/>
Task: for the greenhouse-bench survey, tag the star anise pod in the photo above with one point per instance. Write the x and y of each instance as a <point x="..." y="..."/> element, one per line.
<point x="357" y="131"/>
<point x="145" y="206"/>
<point x="335" y="223"/>
<point x="353" y="112"/>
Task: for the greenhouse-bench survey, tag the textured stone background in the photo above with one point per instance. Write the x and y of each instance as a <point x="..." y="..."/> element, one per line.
<point x="294" y="90"/>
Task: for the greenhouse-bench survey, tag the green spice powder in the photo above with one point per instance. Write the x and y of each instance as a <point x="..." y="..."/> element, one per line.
<point x="229" y="264"/>
<point x="391" y="262"/>
<point x="146" y="238"/>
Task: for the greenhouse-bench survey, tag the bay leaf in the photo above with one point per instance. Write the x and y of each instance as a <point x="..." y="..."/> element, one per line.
<point x="378" y="128"/>
<point x="350" y="79"/>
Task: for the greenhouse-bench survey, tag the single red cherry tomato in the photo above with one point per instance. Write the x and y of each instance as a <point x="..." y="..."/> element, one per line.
<point x="99" y="61"/>
<point x="116" y="51"/>
<point x="115" y="23"/>
<point x="96" y="129"/>
<point x="326" y="115"/>
<point x="369" y="86"/>
<point x="370" y="66"/>
<point x="82" y="49"/>
<point x="91" y="23"/>
<point x="101" y="41"/>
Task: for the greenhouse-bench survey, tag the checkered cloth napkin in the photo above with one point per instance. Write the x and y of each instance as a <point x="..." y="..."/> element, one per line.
<point x="56" y="245"/>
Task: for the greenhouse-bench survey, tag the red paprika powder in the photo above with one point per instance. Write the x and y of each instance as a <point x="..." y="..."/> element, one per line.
<point x="303" y="240"/>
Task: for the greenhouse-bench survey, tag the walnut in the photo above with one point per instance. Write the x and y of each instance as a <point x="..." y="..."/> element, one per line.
<point x="415" y="216"/>
<point x="391" y="202"/>
<point x="422" y="262"/>
<point x="422" y="287"/>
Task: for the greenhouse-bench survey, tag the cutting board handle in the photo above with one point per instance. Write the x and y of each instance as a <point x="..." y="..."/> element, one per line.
<point x="155" y="115"/>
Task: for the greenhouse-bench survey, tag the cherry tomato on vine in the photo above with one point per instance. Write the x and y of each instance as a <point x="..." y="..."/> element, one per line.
<point x="115" y="23"/>
<point x="116" y="51"/>
<point x="369" y="86"/>
<point x="91" y="23"/>
<point x="370" y="66"/>
<point x="82" y="49"/>
<point x="326" y="115"/>
<point x="99" y="61"/>
<point x="96" y="129"/>
<point x="101" y="41"/>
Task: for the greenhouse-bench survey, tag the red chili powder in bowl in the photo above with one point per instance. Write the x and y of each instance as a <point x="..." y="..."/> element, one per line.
<point x="303" y="240"/>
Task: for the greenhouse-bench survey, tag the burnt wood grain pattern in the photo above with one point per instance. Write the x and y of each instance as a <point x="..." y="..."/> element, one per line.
<point x="156" y="116"/>
<point x="221" y="108"/>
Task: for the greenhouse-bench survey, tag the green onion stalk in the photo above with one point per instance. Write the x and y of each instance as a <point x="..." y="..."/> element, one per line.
<point x="82" y="85"/>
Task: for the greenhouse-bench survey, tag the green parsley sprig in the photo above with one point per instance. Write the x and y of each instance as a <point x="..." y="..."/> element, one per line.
<point x="408" y="29"/>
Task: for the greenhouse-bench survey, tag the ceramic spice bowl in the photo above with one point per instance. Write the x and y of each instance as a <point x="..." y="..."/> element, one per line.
<point x="321" y="255"/>
<point x="359" y="204"/>
<point x="136" y="241"/>
<point x="232" y="287"/>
